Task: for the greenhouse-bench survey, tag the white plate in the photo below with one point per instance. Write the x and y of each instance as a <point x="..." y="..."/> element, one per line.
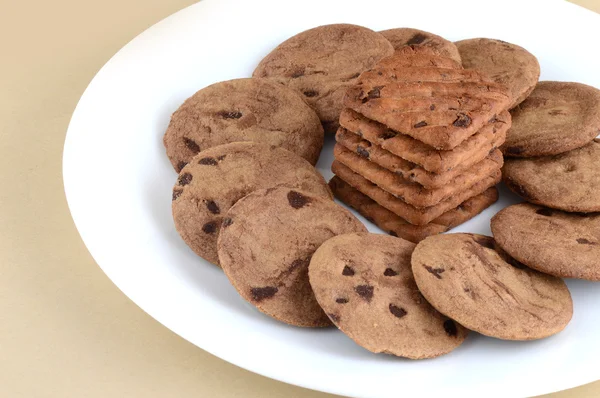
<point x="118" y="183"/>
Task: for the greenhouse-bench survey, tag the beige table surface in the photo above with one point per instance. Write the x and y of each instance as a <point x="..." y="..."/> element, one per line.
<point x="65" y="330"/>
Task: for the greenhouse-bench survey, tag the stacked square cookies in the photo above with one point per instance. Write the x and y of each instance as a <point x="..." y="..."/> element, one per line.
<point x="416" y="150"/>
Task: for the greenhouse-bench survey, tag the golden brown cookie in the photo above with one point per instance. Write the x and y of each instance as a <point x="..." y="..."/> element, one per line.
<point x="504" y="63"/>
<point x="217" y="178"/>
<point x="401" y="37"/>
<point x="551" y="241"/>
<point x="463" y="277"/>
<point x="397" y="226"/>
<point x="471" y="151"/>
<point x="414" y="215"/>
<point x="569" y="181"/>
<point x="364" y="283"/>
<point x="243" y="110"/>
<point x="557" y="117"/>
<point x="266" y="244"/>
<point x="322" y="62"/>
<point x="411" y="192"/>
<point x="440" y="107"/>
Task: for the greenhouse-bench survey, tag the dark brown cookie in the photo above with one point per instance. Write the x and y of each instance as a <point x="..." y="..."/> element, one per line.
<point x="471" y="151"/>
<point x="569" y="181"/>
<point x="243" y="110"/>
<point x="322" y="62"/>
<point x="438" y="106"/>
<point x="217" y="178"/>
<point x="557" y="117"/>
<point x="397" y="226"/>
<point x="266" y="244"/>
<point x="401" y="37"/>
<point x="504" y="63"/>
<point x="463" y="277"/>
<point x="364" y="283"/>
<point x="551" y="241"/>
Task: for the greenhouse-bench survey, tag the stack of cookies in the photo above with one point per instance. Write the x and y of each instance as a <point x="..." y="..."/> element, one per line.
<point x="417" y="148"/>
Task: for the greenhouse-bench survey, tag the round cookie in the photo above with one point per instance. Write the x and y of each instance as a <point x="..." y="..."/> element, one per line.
<point x="364" y="283"/>
<point x="463" y="277"/>
<point x="266" y="244"/>
<point x="569" y="181"/>
<point x="322" y="62"/>
<point x="504" y="63"/>
<point x="562" y="244"/>
<point x="557" y="117"/>
<point x="218" y="177"/>
<point x="401" y="37"/>
<point x="243" y="110"/>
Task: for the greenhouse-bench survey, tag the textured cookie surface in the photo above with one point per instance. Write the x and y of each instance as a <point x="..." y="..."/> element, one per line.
<point x="503" y="62"/>
<point x="322" y="62"/>
<point x="463" y="277"/>
<point x="557" y="117"/>
<point x="401" y="37"/>
<point x="217" y="178"/>
<point x="569" y="181"/>
<point x="364" y="283"/>
<point x="399" y="227"/>
<point x="266" y="244"/>
<point x="472" y="150"/>
<point x="439" y="106"/>
<point x="551" y="241"/>
<point x="243" y="110"/>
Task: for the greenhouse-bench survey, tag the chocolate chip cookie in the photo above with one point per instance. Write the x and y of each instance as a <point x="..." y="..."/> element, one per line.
<point x="243" y="110"/>
<point x="569" y="181"/>
<point x="401" y="37"/>
<point x="322" y="62"/>
<point x="504" y="63"/>
<point x="364" y="283"/>
<point x="551" y="241"/>
<point x="557" y="117"/>
<point x="218" y="177"/>
<point x="399" y="227"/>
<point x="463" y="277"/>
<point x="265" y="246"/>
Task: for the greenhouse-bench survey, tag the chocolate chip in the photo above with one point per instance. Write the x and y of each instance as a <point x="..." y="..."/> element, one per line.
<point x="298" y="72"/>
<point x="221" y="157"/>
<point x="514" y="150"/>
<point x="432" y="107"/>
<point x="227" y="222"/>
<point x="311" y="93"/>
<point x="210" y="227"/>
<point x="416" y="39"/>
<point x="230" y="114"/>
<point x="389" y="272"/>
<point x="184" y="179"/>
<point x="341" y="300"/>
<point x="435" y="271"/>
<point x="544" y="212"/>
<point x="364" y="291"/>
<point x="555" y="112"/>
<point x="335" y="318"/>
<point x="420" y="124"/>
<point x="484" y="241"/>
<point x="208" y="161"/>
<point x="212" y="207"/>
<point x="388" y="134"/>
<point x="347" y="271"/>
<point x="398" y="312"/>
<point x="181" y="165"/>
<point x="177" y="193"/>
<point x="362" y="152"/>
<point x="450" y="328"/>
<point x="191" y="145"/>
<point x="375" y="92"/>
<point x="583" y="241"/>
<point x="261" y="293"/>
<point x="393" y="233"/>
<point x="380" y="73"/>
<point x="462" y="120"/>
<point x="297" y="200"/>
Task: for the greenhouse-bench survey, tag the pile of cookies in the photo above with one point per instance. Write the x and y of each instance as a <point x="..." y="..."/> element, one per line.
<point x="419" y="123"/>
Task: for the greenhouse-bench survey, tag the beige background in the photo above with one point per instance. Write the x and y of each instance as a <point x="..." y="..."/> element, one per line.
<point x="65" y="330"/>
